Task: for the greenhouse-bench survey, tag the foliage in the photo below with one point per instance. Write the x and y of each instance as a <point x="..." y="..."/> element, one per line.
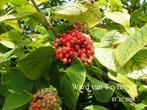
<point x="117" y="78"/>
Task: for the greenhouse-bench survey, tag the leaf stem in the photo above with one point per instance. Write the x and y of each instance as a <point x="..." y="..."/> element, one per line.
<point x="44" y="17"/>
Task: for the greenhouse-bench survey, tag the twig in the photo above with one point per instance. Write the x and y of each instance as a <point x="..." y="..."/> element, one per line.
<point x="44" y="17"/>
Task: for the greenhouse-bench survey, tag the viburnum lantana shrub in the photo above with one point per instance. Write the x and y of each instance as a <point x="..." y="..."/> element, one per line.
<point x="45" y="99"/>
<point x="74" y="43"/>
<point x="84" y="48"/>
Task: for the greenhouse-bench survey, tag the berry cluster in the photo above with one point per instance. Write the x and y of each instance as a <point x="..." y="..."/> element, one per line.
<point x="45" y="99"/>
<point x="74" y="43"/>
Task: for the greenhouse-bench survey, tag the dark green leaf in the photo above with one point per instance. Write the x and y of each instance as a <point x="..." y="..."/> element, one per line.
<point x="3" y="90"/>
<point x="15" y="79"/>
<point x="101" y="90"/>
<point x="74" y="76"/>
<point x="16" y="100"/>
<point x="35" y="63"/>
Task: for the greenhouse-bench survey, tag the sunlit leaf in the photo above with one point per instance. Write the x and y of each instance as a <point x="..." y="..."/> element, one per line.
<point x="25" y="11"/>
<point x="95" y="107"/>
<point x="18" y="2"/>
<point x="131" y="46"/>
<point x="7" y="17"/>
<point x="2" y="3"/>
<point x="135" y="68"/>
<point x="14" y="24"/>
<point x="120" y="18"/>
<point x="88" y="13"/>
<point x="115" y="4"/>
<point x="127" y="85"/>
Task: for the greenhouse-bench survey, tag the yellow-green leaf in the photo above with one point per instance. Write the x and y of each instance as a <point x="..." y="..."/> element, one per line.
<point x="88" y="13"/>
<point x="128" y="85"/>
<point x="131" y="46"/>
<point x="122" y="18"/>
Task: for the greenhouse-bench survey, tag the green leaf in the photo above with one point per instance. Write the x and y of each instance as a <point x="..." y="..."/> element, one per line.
<point x="5" y="56"/>
<point x="122" y="18"/>
<point x="11" y="38"/>
<point x="101" y="90"/>
<point x="16" y="100"/>
<point x="97" y="33"/>
<point x="2" y="3"/>
<point x="25" y="11"/>
<point x="41" y="1"/>
<point x="35" y="63"/>
<point x="14" y="24"/>
<point x="7" y="17"/>
<point x="87" y="13"/>
<point x="106" y="57"/>
<point x="69" y="9"/>
<point x="3" y="90"/>
<point x="95" y="107"/>
<point x="135" y="68"/>
<point x="75" y="76"/>
<point x="139" y="16"/>
<point x="139" y="106"/>
<point x="142" y="88"/>
<point x="131" y="46"/>
<point x="8" y="44"/>
<point x="102" y="3"/>
<point x="116" y="4"/>
<point x="18" y="2"/>
<point x="15" y="79"/>
<point x="127" y="84"/>
<point x="113" y="38"/>
<point x="41" y="29"/>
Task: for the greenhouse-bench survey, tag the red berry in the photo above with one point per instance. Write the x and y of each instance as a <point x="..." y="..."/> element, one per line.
<point x="73" y="34"/>
<point x="83" y="55"/>
<point x="60" y="55"/>
<point x="77" y="47"/>
<point x="76" y="54"/>
<point x="69" y="60"/>
<point x="83" y="50"/>
<point x="68" y="44"/>
<point x="83" y="59"/>
<point x="78" y="42"/>
<point x="67" y="48"/>
<point x="88" y="52"/>
<point x="71" y="52"/>
<point x="65" y="61"/>
<point x="67" y="55"/>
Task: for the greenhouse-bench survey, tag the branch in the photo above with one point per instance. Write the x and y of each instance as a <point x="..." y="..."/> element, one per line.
<point x="44" y="17"/>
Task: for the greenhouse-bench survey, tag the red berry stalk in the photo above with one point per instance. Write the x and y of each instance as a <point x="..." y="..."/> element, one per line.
<point x="45" y="99"/>
<point x="74" y="43"/>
